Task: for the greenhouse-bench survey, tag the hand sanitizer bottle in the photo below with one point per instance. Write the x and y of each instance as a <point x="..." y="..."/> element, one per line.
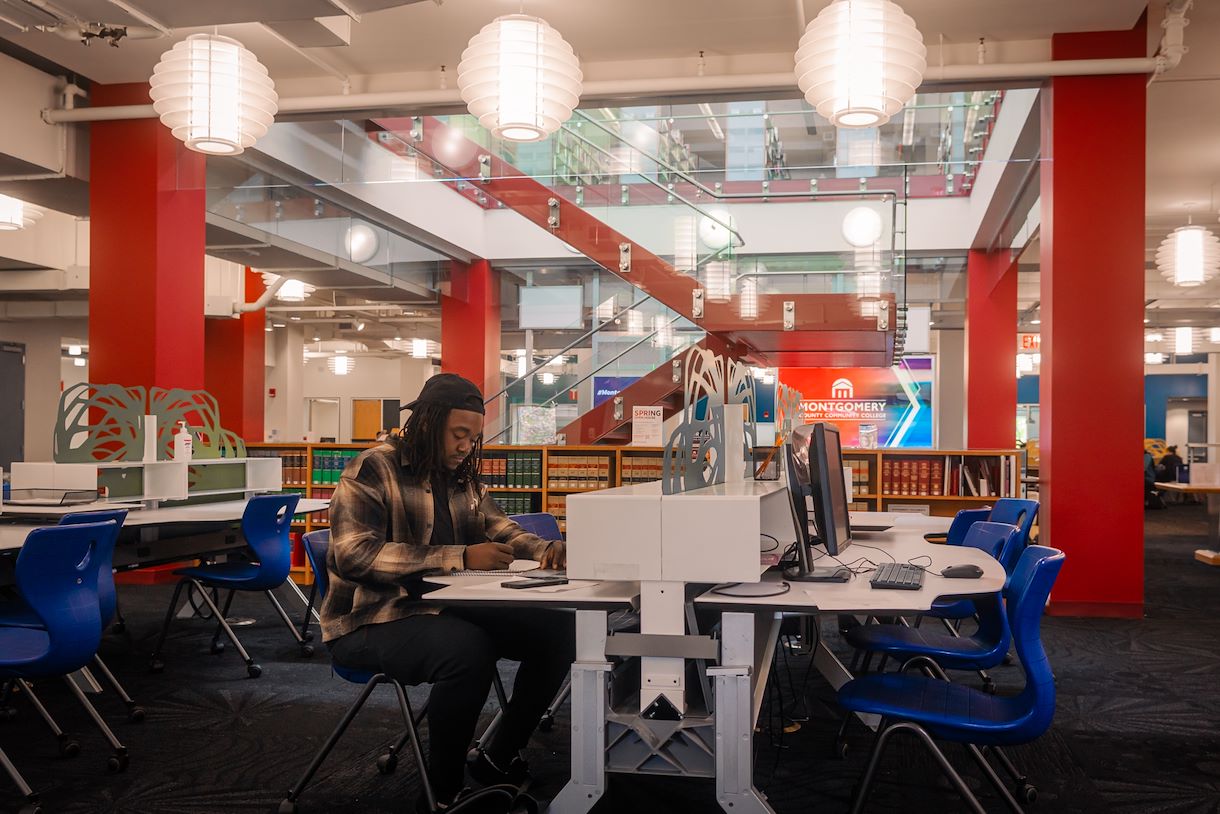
<point x="183" y="449"/>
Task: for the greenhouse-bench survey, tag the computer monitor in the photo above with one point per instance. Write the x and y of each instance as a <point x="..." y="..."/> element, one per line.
<point x="814" y="466"/>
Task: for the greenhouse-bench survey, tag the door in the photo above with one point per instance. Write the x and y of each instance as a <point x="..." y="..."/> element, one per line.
<point x="12" y="404"/>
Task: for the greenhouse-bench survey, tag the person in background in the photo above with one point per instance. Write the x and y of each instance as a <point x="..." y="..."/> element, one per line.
<point x="1167" y="472"/>
<point x="415" y="505"/>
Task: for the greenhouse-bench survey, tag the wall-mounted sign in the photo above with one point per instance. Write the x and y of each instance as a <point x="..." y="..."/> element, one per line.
<point x="1029" y="341"/>
<point x="646" y="426"/>
<point x="872" y="406"/>
<point x="607" y="387"/>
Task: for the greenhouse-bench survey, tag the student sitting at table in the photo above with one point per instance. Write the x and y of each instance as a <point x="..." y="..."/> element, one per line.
<point x="413" y="505"/>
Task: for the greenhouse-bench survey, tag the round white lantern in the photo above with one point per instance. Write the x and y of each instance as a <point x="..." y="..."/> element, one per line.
<point x="361" y="242"/>
<point x="717" y="228"/>
<point x="860" y="62"/>
<point x="519" y="78"/>
<point x="747" y="304"/>
<point x="1189" y="256"/>
<point x="341" y="364"/>
<point x="862" y="227"/>
<point x="213" y="94"/>
<point x="17" y="214"/>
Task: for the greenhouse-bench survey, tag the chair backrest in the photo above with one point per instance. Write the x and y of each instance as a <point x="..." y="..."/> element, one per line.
<point x="265" y="524"/>
<point x="1029" y="589"/>
<point x="317" y="543"/>
<point x="56" y="573"/>
<point x="962" y="521"/>
<point x="1019" y="512"/>
<point x="994" y="538"/>
<point x="106" y="598"/>
<point x="543" y="524"/>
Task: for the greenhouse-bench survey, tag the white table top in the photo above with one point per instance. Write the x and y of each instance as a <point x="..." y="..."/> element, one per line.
<point x="858" y="596"/>
<point x="12" y="535"/>
<point x="581" y="593"/>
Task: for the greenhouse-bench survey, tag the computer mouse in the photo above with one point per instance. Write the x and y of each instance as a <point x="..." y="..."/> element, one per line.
<point x="961" y="572"/>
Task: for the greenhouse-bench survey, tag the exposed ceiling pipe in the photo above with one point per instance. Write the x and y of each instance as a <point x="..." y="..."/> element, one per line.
<point x="240" y="308"/>
<point x="143" y="17"/>
<point x="1168" y="56"/>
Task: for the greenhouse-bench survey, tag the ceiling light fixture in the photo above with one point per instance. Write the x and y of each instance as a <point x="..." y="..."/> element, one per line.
<point x="79" y="362"/>
<point x="1154" y="358"/>
<point x="860" y="61"/>
<point x="718" y="280"/>
<point x="17" y="214"/>
<point x="361" y="242"/>
<point x="213" y="94"/>
<point x="747" y="304"/>
<point x="290" y="291"/>
<point x="419" y="348"/>
<point x="1154" y="337"/>
<point x="862" y="227"/>
<point x="520" y="78"/>
<point x="546" y="378"/>
<point x="1189" y="256"/>
<point x="1183" y="339"/>
<point x="75" y="350"/>
<point x="341" y="364"/>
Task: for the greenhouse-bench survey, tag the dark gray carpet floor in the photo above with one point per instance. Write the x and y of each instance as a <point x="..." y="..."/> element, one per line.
<point x="1137" y="727"/>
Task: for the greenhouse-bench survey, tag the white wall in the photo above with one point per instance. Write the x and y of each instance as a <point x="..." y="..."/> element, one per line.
<point x="950" y="400"/>
<point x="42" y="340"/>
<point x="372" y="378"/>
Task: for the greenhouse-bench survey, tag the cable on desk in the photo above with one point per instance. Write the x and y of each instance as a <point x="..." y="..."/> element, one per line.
<point x="772" y="548"/>
<point x="727" y="590"/>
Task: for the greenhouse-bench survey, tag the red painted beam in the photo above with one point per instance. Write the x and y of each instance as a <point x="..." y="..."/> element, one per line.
<point x="235" y="365"/>
<point x="1092" y="261"/>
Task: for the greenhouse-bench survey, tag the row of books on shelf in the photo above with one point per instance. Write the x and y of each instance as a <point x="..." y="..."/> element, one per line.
<point x="951" y="476"/>
<point x="515" y="504"/>
<point x="328" y="464"/>
<point x="514" y="470"/>
<point x="578" y="472"/>
<point x="295" y="464"/>
<point x="321" y="518"/>
<point x="641" y="469"/>
<point x="558" y="506"/>
<point x="859" y="475"/>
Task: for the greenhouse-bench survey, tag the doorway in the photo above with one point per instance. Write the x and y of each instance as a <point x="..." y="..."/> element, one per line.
<point x="12" y="403"/>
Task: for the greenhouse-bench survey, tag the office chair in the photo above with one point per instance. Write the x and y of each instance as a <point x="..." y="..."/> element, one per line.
<point x="57" y="575"/>
<point x="317" y="544"/>
<point x="934" y="709"/>
<point x="18" y="613"/>
<point x="264" y="524"/>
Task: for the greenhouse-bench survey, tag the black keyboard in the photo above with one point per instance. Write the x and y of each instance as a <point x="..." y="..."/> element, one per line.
<point x="901" y="576"/>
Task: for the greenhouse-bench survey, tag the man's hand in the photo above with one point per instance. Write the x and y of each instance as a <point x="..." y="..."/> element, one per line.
<point x="488" y="556"/>
<point x="555" y="556"/>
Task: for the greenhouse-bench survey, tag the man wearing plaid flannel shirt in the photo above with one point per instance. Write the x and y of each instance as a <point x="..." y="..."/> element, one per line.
<point x="413" y="506"/>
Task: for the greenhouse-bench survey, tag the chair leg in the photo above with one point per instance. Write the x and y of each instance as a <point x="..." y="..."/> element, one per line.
<point x="295" y="792"/>
<point x="946" y="767"/>
<point x="135" y="713"/>
<point x="866" y="781"/>
<point x="217" y="645"/>
<point x="548" y="717"/>
<point x="306" y="647"/>
<point x="155" y="664"/>
<point x="68" y="746"/>
<point x="1011" y="802"/>
<point x="308" y="617"/>
<point x="120" y="621"/>
<point x="1022" y="787"/>
<point x="118" y="761"/>
<point x="416" y="749"/>
<point x="252" y="669"/>
<point x="31" y="798"/>
<point x="502" y="697"/>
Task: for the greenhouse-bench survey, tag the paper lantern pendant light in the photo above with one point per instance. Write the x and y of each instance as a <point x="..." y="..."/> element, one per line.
<point x="860" y="61"/>
<point x="213" y="94"/>
<point x="519" y="78"/>
<point x="1189" y="256"/>
<point x="17" y="214"/>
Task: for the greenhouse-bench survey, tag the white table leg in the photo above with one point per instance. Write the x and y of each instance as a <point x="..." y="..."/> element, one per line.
<point x="588" y="781"/>
<point x="836" y="674"/>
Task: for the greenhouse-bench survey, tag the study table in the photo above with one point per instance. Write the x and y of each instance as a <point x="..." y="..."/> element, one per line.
<point x="1212" y="495"/>
<point x="715" y="742"/>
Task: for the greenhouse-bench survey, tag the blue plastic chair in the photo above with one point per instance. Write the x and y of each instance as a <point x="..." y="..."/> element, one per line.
<point x="57" y="575"/>
<point x="932" y="708"/>
<point x="1019" y="512"/>
<point x="317" y="545"/>
<point x="542" y="524"/>
<point x="264" y="524"/>
<point x="18" y="612"/>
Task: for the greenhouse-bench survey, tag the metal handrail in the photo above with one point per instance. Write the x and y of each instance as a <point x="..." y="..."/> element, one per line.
<point x="558" y="353"/>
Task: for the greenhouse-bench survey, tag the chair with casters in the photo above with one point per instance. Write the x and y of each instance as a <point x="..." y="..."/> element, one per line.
<point x="933" y="709"/>
<point x="264" y="525"/>
<point x="17" y="612"/>
<point x="317" y="544"/>
<point x="57" y="575"/>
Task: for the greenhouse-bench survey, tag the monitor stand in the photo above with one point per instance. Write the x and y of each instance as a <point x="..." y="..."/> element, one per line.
<point x="827" y="573"/>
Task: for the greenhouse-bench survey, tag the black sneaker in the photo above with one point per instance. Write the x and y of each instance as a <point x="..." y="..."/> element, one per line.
<point x="488" y="773"/>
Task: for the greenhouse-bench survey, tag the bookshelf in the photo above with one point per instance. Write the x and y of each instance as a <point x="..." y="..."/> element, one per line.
<point x="534" y="478"/>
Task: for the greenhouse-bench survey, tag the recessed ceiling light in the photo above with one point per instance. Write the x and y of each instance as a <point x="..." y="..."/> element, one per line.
<point x="1035" y="322"/>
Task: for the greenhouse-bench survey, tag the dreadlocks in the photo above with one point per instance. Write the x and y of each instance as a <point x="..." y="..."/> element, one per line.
<point x="423" y="439"/>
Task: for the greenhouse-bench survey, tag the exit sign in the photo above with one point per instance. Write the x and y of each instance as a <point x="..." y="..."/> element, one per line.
<point x="1029" y="341"/>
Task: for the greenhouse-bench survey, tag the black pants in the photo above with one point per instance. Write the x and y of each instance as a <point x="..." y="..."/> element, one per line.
<point x="456" y="652"/>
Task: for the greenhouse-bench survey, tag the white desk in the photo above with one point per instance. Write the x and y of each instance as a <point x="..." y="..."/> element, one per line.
<point x="486" y="590"/>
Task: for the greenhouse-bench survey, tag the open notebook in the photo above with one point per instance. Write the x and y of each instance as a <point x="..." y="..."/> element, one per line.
<point x="515" y="567"/>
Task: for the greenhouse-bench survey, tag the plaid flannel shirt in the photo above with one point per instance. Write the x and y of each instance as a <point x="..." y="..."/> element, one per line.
<point x="381" y="520"/>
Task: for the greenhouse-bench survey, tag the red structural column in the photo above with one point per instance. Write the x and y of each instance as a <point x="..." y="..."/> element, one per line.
<point x="146" y="232"/>
<point x="470" y="325"/>
<point x="991" y="342"/>
<point x="235" y="365"/>
<point x="1092" y="257"/>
